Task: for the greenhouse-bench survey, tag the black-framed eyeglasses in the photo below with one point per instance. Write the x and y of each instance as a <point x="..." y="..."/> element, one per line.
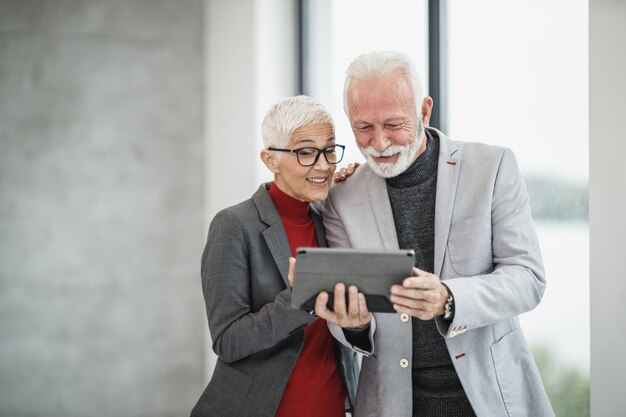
<point x="309" y="156"/>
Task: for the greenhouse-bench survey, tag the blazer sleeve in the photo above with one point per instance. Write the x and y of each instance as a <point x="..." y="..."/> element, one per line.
<point x="517" y="282"/>
<point x="336" y="235"/>
<point x="236" y="330"/>
<point x="366" y="350"/>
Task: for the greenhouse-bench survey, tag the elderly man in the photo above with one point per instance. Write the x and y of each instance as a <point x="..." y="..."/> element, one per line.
<point x="455" y="347"/>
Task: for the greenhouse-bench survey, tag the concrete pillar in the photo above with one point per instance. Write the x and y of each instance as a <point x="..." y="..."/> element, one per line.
<point x="101" y="207"/>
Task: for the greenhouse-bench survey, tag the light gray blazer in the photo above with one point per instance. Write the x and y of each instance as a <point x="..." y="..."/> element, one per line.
<point x="487" y="252"/>
<point x="256" y="334"/>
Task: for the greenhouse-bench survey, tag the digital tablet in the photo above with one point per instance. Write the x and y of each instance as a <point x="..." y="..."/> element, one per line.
<point x="372" y="271"/>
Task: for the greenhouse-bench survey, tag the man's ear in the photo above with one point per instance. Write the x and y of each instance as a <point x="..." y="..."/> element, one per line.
<point x="427" y="109"/>
<point x="270" y="161"/>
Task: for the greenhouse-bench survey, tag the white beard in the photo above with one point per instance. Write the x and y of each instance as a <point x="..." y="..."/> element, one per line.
<point x="405" y="158"/>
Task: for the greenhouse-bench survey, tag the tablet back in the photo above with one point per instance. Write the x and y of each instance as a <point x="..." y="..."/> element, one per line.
<point x="372" y="271"/>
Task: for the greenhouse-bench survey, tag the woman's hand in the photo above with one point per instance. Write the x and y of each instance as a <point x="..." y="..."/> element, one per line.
<point x="353" y="316"/>
<point x="292" y="267"/>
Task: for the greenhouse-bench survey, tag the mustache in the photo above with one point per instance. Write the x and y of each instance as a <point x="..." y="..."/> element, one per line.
<point x="390" y="150"/>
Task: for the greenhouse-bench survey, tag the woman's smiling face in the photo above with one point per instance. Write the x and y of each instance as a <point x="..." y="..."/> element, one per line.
<point x="310" y="183"/>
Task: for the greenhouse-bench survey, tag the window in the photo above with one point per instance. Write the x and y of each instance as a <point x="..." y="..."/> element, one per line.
<point x="339" y="31"/>
<point x="516" y="76"/>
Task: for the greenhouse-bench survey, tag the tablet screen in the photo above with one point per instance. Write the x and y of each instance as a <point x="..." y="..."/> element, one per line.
<point x="373" y="271"/>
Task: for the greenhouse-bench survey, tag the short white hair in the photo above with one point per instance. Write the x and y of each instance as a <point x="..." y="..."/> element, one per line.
<point x="290" y="114"/>
<point x="380" y="64"/>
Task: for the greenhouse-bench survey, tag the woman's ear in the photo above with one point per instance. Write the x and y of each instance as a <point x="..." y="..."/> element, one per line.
<point x="270" y="161"/>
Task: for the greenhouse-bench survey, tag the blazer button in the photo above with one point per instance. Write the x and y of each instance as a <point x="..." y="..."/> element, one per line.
<point x="404" y="362"/>
<point x="404" y="317"/>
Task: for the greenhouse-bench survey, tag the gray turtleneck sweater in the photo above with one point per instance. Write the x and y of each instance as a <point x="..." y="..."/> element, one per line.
<point x="437" y="391"/>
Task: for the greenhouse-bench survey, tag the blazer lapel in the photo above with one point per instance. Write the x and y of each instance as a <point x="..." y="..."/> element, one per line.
<point x="448" y="170"/>
<point x="274" y="235"/>
<point x="381" y="207"/>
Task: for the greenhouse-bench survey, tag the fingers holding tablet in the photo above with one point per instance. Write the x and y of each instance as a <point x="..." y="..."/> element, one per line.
<point x="349" y="310"/>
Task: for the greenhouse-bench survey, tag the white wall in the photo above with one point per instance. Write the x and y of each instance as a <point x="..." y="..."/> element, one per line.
<point x="251" y="62"/>
<point x="607" y="208"/>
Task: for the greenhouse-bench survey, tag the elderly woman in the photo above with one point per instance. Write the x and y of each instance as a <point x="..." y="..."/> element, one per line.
<point x="274" y="360"/>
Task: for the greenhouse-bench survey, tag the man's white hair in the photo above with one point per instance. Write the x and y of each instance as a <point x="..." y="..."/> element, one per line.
<point x="380" y="64"/>
<point x="290" y="114"/>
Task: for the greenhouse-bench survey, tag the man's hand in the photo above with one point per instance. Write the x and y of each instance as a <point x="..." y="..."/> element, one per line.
<point x="422" y="295"/>
<point x="354" y="316"/>
<point x="345" y="172"/>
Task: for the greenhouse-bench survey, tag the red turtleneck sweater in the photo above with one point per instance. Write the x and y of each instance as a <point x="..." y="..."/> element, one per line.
<point x="314" y="388"/>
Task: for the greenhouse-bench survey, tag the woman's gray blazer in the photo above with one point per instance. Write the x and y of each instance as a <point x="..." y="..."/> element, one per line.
<point x="256" y="334"/>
